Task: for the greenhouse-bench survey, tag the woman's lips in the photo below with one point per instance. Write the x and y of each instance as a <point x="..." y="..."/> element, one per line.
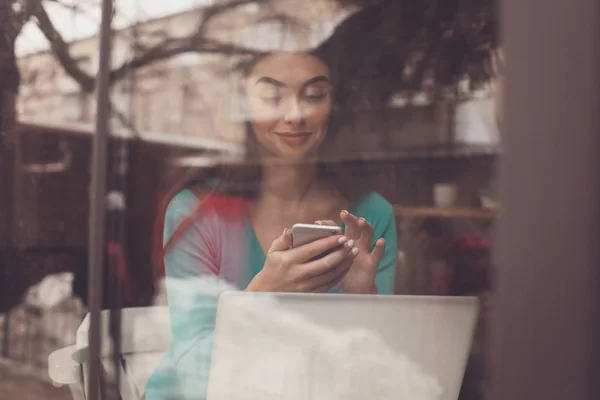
<point x="294" y="138"/>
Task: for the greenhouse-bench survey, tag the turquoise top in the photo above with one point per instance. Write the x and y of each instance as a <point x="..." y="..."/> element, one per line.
<point x="221" y="245"/>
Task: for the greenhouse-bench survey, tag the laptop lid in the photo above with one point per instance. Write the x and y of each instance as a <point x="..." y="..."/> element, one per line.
<point x="268" y="344"/>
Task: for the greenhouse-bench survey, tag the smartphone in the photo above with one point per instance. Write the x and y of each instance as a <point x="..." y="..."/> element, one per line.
<point x="306" y="233"/>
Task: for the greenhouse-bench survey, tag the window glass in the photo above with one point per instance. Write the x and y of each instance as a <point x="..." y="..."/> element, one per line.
<point x="300" y="196"/>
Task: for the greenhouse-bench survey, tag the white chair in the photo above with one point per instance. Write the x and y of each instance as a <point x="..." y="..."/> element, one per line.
<point x="146" y="336"/>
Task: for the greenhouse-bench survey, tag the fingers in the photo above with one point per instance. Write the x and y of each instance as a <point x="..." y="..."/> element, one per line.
<point x="330" y="261"/>
<point x="367" y="232"/>
<point x="358" y="228"/>
<point x="310" y="250"/>
<point x="352" y="226"/>
<point x="378" y="251"/>
<point x="325" y="282"/>
<point x="283" y="242"/>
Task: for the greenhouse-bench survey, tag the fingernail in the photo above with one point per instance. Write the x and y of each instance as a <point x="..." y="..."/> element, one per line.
<point x="345" y="212"/>
<point x="284" y="231"/>
<point x="355" y="251"/>
<point x="342" y="240"/>
<point x="318" y="222"/>
<point x="351" y="243"/>
<point x="362" y="219"/>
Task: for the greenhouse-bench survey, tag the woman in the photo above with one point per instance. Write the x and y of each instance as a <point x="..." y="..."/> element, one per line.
<point x="239" y="232"/>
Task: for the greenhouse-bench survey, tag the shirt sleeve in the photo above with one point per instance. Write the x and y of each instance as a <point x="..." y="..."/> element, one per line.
<point x="193" y="287"/>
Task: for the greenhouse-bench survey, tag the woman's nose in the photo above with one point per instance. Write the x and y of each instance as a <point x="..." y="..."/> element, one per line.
<point x="294" y="113"/>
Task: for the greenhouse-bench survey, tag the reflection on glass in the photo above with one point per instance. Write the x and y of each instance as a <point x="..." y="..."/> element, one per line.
<point x="396" y="103"/>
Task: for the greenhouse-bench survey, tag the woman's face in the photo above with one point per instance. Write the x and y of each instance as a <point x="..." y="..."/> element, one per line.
<point x="289" y="101"/>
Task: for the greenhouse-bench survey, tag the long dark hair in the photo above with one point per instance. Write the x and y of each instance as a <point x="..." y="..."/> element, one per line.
<point x="241" y="180"/>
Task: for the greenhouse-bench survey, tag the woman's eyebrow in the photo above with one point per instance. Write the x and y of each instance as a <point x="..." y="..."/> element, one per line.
<point x="316" y="79"/>
<point x="311" y="81"/>
<point x="266" y="79"/>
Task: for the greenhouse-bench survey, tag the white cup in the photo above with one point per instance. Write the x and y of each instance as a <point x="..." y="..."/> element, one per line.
<point x="444" y="195"/>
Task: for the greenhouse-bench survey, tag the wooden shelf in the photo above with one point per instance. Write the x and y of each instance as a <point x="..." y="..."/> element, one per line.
<point x="446" y="213"/>
<point x="415" y="154"/>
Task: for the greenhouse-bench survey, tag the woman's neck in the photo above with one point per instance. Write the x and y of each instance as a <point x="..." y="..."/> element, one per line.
<point x="289" y="183"/>
<point x="290" y="195"/>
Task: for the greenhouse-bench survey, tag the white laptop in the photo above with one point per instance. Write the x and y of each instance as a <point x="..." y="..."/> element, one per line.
<point x="285" y="346"/>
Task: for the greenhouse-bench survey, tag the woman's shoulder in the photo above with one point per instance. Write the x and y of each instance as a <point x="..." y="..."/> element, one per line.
<point x="183" y="202"/>
<point x="373" y="204"/>
<point x="190" y="200"/>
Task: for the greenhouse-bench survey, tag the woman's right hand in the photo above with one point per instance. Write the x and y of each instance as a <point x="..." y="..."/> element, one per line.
<point x="293" y="270"/>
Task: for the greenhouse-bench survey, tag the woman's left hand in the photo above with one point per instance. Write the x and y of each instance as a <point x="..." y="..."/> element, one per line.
<point x="361" y="276"/>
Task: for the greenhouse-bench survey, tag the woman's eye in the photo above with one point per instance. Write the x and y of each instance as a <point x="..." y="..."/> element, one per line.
<point x="315" y="97"/>
<point x="271" y="99"/>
